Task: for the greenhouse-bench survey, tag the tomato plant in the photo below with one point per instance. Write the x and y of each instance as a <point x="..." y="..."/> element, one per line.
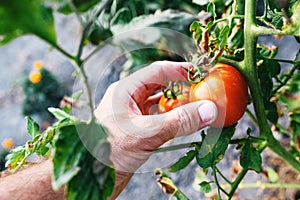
<point x="225" y="86"/>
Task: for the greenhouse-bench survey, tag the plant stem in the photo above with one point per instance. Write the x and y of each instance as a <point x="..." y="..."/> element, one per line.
<point x="261" y="30"/>
<point x="251" y="115"/>
<point x="266" y="5"/>
<point x="286" y="61"/>
<point x="222" y="175"/>
<point x="250" y="72"/>
<point x="74" y="9"/>
<point x="277" y="148"/>
<point x="243" y="140"/>
<point x="61" y="50"/>
<point x="287" y="77"/>
<point x="176" y="147"/>
<point x="249" y="66"/>
<point x="270" y="185"/>
<point x="236" y="182"/>
<point x="87" y="27"/>
<point x="214" y="171"/>
<point x="94" y="51"/>
<point x="231" y="62"/>
<point x="259" y="184"/>
<point x="88" y="92"/>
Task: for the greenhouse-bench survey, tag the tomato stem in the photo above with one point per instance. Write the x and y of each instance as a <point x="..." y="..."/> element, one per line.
<point x="251" y="115"/>
<point x="236" y="182"/>
<point x="214" y="172"/>
<point x="223" y="176"/>
<point x="61" y="50"/>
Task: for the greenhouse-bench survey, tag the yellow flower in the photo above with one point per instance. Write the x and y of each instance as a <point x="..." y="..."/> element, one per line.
<point x="38" y="65"/>
<point x="8" y="143"/>
<point x="35" y="76"/>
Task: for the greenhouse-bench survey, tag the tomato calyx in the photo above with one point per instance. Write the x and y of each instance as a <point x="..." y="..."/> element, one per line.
<point x="196" y="74"/>
<point x="174" y="89"/>
<point x="175" y="94"/>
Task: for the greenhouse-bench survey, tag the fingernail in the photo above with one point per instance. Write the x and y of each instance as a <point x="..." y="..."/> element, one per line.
<point x="208" y="112"/>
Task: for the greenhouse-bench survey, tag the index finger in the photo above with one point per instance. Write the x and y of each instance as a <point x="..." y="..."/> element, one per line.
<point x="142" y="84"/>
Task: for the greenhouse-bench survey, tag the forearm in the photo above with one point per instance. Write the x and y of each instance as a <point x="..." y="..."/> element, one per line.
<point x="31" y="183"/>
<point x="122" y="179"/>
<point x="34" y="183"/>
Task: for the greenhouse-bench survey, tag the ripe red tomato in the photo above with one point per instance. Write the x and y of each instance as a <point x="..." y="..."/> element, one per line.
<point x="227" y="88"/>
<point x="166" y="104"/>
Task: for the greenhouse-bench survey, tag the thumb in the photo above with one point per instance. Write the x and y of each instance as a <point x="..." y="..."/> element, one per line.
<point x="189" y="118"/>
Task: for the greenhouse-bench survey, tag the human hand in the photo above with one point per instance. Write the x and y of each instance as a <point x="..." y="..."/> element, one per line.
<point x="135" y="134"/>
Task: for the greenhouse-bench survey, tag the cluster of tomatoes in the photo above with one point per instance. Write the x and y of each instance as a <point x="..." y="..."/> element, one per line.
<point x="223" y="84"/>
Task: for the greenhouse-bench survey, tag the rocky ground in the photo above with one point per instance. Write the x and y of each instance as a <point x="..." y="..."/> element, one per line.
<point x="17" y="58"/>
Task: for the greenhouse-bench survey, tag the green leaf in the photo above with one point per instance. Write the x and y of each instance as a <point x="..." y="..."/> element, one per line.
<point x="76" y="96"/>
<point x="84" y="176"/>
<point x="94" y="181"/>
<point x="295" y="129"/>
<point x="26" y="17"/>
<point x="68" y="151"/>
<point x="270" y="67"/>
<point x="214" y="146"/>
<point x="156" y="46"/>
<point x="59" y="114"/>
<point x="236" y="38"/>
<point x="277" y="21"/>
<point x="274" y="4"/>
<point x="223" y="37"/>
<point x="250" y="158"/>
<point x="196" y="29"/>
<point x="183" y="161"/>
<point x="80" y="5"/>
<point x="272" y="175"/>
<point x="267" y="70"/>
<point x="15" y="157"/>
<point x="171" y="19"/>
<point x="271" y="112"/>
<point x="32" y="127"/>
<point x="122" y="16"/>
<point x="93" y="135"/>
<point x="98" y="34"/>
<point x="265" y="52"/>
<point x="42" y="151"/>
<point x="291" y="96"/>
<point x="205" y="186"/>
<point x="293" y="28"/>
<point x="211" y="8"/>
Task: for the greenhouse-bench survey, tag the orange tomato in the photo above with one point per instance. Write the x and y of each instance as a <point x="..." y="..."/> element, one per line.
<point x="166" y="104"/>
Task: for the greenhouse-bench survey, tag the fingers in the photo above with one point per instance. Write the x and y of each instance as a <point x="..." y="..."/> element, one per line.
<point x="161" y="71"/>
<point x="150" y="105"/>
<point x="141" y="84"/>
<point x="188" y="118"/>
